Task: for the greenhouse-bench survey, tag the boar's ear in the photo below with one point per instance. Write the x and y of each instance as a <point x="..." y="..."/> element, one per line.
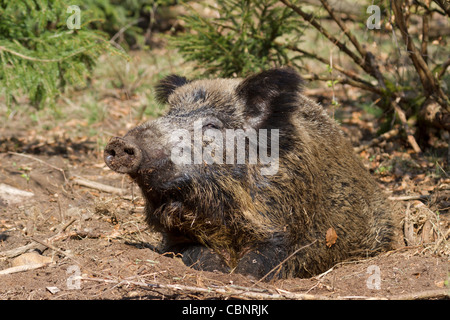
<point x="270" y="96"/>
<point x="167" y="86"/>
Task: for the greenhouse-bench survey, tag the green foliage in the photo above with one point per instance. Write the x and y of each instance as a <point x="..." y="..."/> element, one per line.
<point x="40" y="55"/>
<point x="242" y="40"/>
<point x="124" y="20"/>
<point x="401" y="68"/>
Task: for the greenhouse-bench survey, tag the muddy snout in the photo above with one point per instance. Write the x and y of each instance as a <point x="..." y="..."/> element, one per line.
<point x="122" y="156"/>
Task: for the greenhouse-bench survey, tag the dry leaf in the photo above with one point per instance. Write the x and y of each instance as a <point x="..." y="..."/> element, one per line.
<point x="331" y="237"/>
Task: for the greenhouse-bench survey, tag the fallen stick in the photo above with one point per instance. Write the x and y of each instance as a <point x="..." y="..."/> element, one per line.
<point x="244" y="292"/>
<point x="23" y="268"/>
<point x="101" y="187"/>
<point x="34" y="245"/>
<point x="431" y="294"/>
<point x="37" y="244"/>
<point x="39" y="160"/>
<point x="410" y="137"/>
<point x="18" y="251"/>
<point x="48" y="245"/>
<point x="438" y="243"/>
<point x="67" y="255"/>
<point x="223" y="290"/>
<point x="98" y="186"/>
<point x="385" y="136"/>
<point x="407" y="198"/>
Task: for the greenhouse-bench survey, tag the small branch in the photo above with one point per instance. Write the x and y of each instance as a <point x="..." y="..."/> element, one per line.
<point x="61" y="235"/>
<point x="375" y="70"/>
<point x="243" y="292"/>
<point x="23" y="268"/>
<point x="310" y="18"/>
<point x="17" y="251"/>
<point x="250" y="293"/>
<point x="444" y="67"/>
<point x="362" y="83"/>
<point x="431" y="294"/>
<point x="385" y="136"/>
<point x="426" y="78"/>
<point x="408" y="198"/>
<point x="444" y="4"/>
<point x="425" y="32"/>
<point x="348" y="81"/>
<point x="125" y="28"/>
<point x="344" y="28"/>
<point x="2" y="48"/>
<point x="401" y="115"/>
<point x="367" y="60"/>
<point x="101" y="187"/>
<point x="50" y="246"/>
<point x="41" y="161"/>
<point x="441" y="239"/>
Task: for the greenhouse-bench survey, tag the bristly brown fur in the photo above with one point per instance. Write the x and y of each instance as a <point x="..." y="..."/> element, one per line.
<point x="166" y="86"/>
<point x="231" y="217"/>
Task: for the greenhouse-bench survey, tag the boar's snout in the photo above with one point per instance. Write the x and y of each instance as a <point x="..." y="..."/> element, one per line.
<point x="122" y="156"/>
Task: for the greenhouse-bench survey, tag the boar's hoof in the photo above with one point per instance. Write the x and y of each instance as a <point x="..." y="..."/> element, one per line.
<point x="122" y="156"/>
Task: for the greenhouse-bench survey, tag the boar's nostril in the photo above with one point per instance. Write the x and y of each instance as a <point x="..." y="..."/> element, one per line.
<point x="122" y="156"/>
<point x="111" y="153"/>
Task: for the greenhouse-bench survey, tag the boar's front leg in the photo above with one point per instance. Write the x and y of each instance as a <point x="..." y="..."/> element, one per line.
<point x="262" y="261"/>
<point x="202" y="258"/>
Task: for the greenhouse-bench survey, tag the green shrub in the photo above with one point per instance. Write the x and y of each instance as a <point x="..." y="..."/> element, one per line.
<point x="241" y="40"/>
<point x="40" y="55"/>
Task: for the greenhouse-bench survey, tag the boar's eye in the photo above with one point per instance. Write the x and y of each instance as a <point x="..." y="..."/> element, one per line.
<point x="212" y="124"/>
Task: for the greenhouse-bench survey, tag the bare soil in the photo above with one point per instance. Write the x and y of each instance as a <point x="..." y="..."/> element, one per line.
<point x="101" y="248"/>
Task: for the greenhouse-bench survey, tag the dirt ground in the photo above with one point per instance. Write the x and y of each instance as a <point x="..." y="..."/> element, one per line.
<point x="94" y="244"/>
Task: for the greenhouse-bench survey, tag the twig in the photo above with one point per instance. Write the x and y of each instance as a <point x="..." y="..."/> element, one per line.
<point x="344" y="28"/>
<point x="2" y="48"/>
<point x="244" y="292"/>
<point x="361" y="82"/>
<point x="223" y="290"/>
<point x="64" y="227"/>
<point x="34" y="245"/>
<point x="431" y="294"/>
<point x="425" y="31"/>
<point x="444" y="67"/>
<point x="408" y="198"/>
<point x="401" y="115"/>
<point x="23" y="268"/>
<point x="61" y="235"/>
<point x="385" y="136"/>
<point x="438" y="243"/>
<point x="366" y="61"/>
<point x="444" y="5"/>
<point x="348" y="81"/>
<point x="426" y="77"/>
<point x="125" y="28"/>
<point x="50" y="246"/>
<point x="17" y="251"/>
<point x="310" y="18"/>
<point x="99" y="186"/>
<point x="408" y="229"/>
<point x="41" y="161"/>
